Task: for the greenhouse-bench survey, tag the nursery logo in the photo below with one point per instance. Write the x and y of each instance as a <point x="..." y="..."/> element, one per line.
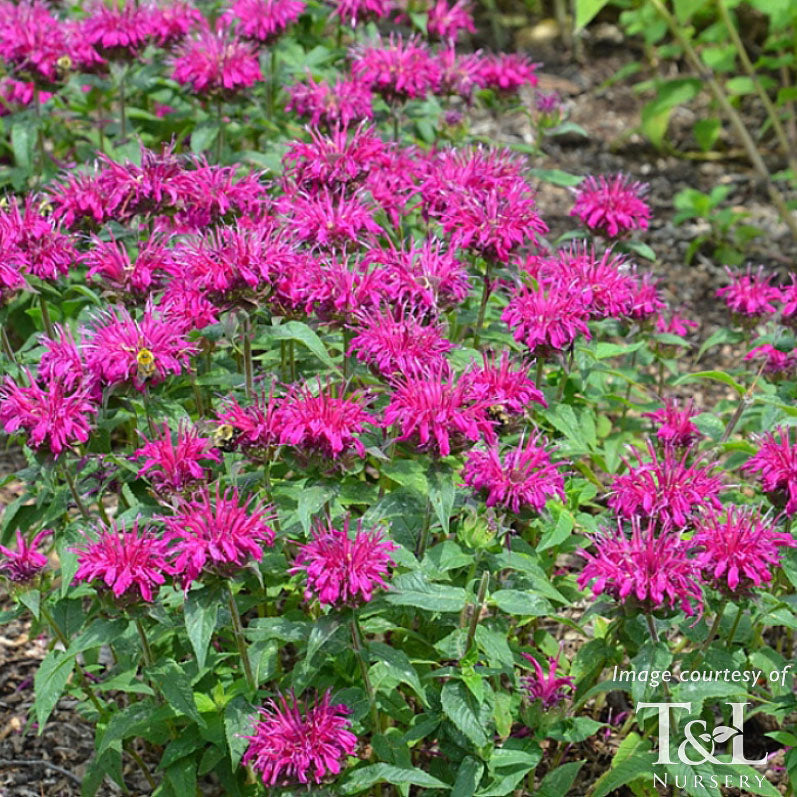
<point x="699" y="743"/>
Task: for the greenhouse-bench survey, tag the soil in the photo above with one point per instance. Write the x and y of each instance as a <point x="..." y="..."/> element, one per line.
<point x="52" y="764"/>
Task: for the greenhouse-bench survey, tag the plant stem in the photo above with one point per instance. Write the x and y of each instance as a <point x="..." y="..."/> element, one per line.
<point x="70" y="480"/>
<point x="732" y="632"/>
<point x="149" y="661"/>
<point x="714" y="626"/>
<point x="48" y="324"/>
<point x="423" y="540"/>
<point x="122" y="104"/>
<point x="248" y="377"/>
<point x="477" y="609"/>
<point x="240" y="640"/>
<point x="486" y="291"/>
<point x="538" y="374"/>
<point x="272" y="83"/>
<point x="772" y="111"/>
<point x="220" y="130"/>
<point x="143" y="767"/>
<point x="654" y="634"/>
<point x="6" y="344"/>
<point x="736" y="121"/>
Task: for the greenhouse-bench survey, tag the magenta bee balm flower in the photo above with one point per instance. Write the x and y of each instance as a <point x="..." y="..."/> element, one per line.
<point x="343" y="570"/>
<point x="263" y="20"/>
<point x="125" y="561"/>
<point x="612" y="205"/>
<point x="750" y="294"/>
<point x="776" y="463"/>
<point x="343" y="103"/>
<point x="739" y="547"/>
<point x="26" y="562"/>
<point x="523" y="476"/>
<point x="675" y="423"/>
<point x="296" y="743"/>
<point x="549" y="688"/>
<point x="655" y="570"/>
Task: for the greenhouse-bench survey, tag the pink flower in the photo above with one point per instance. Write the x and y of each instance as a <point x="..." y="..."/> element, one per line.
<point x="342" y="570"/>
<point x="16" y="92"/>
<point x="523" y="476"/>
<point x="789" y="299"/>
<point x="647" y="299"/>
<point x="776" y="463"/>
<point x="433" y="407"/>
<point x="263" y="20"/>
<point x="675" y="325"/>
<point x="612" y="205"/>
<point x="740" y="546"/>
<point x="122" y="349"/>
<point x="503" y="384"/>
<point x="294" y="742"/>
<point x="323" y="422"/>
<point x="547" y="688"/>
<point x="344" y="102"/>
<point x="257" y="425"/>
<point x="666" y="490"/>
<point x="52" y="416"/>
<point x="506" y="73"/>
<point x="397" y="341"/>
<point x="79" y="198"/>
<point x="111" y="261"/>
<point x="653" y="570"/>
<point x="400" y="70"/>
<point x="777" y="364"/>
<point x="460" y="74"/>
<point x="750" y="294"/>
<point x="216" y="63"/>
<point x="445" y="21"/>
<point x="547" y="320"/>
<point x="118" y="30"/>
<point x="173" y="466"/>
<point x="64" y="362"/>
<point x="675" y="423"/>
<point x="547" y="102"/>
<point x="352" y="12"/>
<point x="169" y="23"/>
<point x="26" y="562"/>
<point x="216" y="532"/>
<point x="124" y="560"/>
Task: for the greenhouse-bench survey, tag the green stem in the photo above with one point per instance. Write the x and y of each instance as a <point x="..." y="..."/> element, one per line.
<point x="272" y="92"/>
<point x="122" y="104"/>
<point x="248" y="376"/>
<point x="538" y="374"/>
<point x="70" y="480"/>
<point x="220" y="130"/>
<point x="486" y="290"/>
<point x="714" y="626"/>
<point x="732" y="632"/>
<point x="477" y="609"/>
<point x="143" y="767"/>
<point x="48" y="324"/>
<point x="654" y="634"/>
<point x="423" y="540"/>
<point x="6" y="344"/>
<point x="240" y="639"/>
<point x="149" y="661"/>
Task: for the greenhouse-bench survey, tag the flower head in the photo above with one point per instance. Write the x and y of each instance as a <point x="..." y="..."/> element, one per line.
<point x="64" y="361"/>
<point x="445" y="21"/>
<point x="653" y="569"/>
<point x="548" y="688"/>
<point x="612" y="205"/>
<point x="344" y="102"/>
<point x="53" y="415"/>
<point x="523" y="476"/>
<point x="26" y="562"/>
<point x="675" y="325"/>
<point x="216" y="531"/>
<point x="294" y="742"/>
<point x="506" y="73"/>
<point x="776" y="363"/>
<point x="323" y="421"/>
<point x="665" y="488"/>
<point x="263" y="20"/>
<point x="750" y="294"/>
<point x="739" y="547"/>
<point x="117" y="30"/>
<point x="255" y="426"/>
<point x="776" y="463"/>
<point x="343" y="569"/>
<point x="172" y="466"/>
<point x="505" y="385"/>
<point x="126" y="561"/>
<point x="437" y="409"/>
<point x="216" y="63"/>
<point x="675" y="423"/>
<point x="352" y="12"/>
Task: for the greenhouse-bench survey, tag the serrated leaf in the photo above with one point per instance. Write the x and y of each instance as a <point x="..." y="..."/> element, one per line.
<point x="201" y="611"/>
<point x="460" y="707"/>
<point x="559" y="781"/>
<point x="441" y="496"/>
<point x="365" y="777"/>
<point x="239" y="716"/>
<point x="413" y="589"/>
<point x="639" y="765"/>
<point x="521" y="604"/>
<point x="49" y="683"/>
<point x="203" y="136"/>
<point x="398" y="665"/>
<point x="32" y="600"/>
<point x="176" y="688"/>
<point x="296" y="330"/>
<point x="468" y="776"/>
<point x="127" y="722"/>
<point x="23" y="139"/>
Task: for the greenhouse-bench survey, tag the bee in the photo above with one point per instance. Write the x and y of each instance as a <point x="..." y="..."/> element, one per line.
<point x="64" y="63"/>
<point x="146" y="363"/>
<point x="498" y="413"/>
<point x="224" y="437"/>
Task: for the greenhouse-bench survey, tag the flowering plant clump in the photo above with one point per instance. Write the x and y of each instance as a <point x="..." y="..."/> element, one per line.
<point x="349" y="458"/>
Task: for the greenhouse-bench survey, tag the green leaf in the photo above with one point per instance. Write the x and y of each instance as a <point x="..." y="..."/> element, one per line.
<point x="639" y="765"/>
<point x="413" y="589"/>
<point x="556" y="177"/>
<point x="398" y="665"/>
<point x="365" y="777"/>
<point x="239" y="716"/>
<point x="49" y="682"/>
<point x="441" y="495"/>
<point x="656" y="114"/>
<point x="23" y="138"/>
<point x="521" y="604"/>
<point x="558" y="532"/>
<point x="130" y="721"/>
<point x="201" y="610"/>
<point x="468" y="777"/>
<point x="559" y="781"/>
<point x="460" y="707"/>
<point x="706" y="133"/>
<point x="638" y="248"/>
<point x="32" y="600"/>
<point x="100" y="632"/>
<point x="587" y="10"/>
<point x="684" y="9"/>
<point x="176" y="688"/>
<point x="203" y="136"/>
<point x="717" y="376"/>
<point x="296" y="330"/>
